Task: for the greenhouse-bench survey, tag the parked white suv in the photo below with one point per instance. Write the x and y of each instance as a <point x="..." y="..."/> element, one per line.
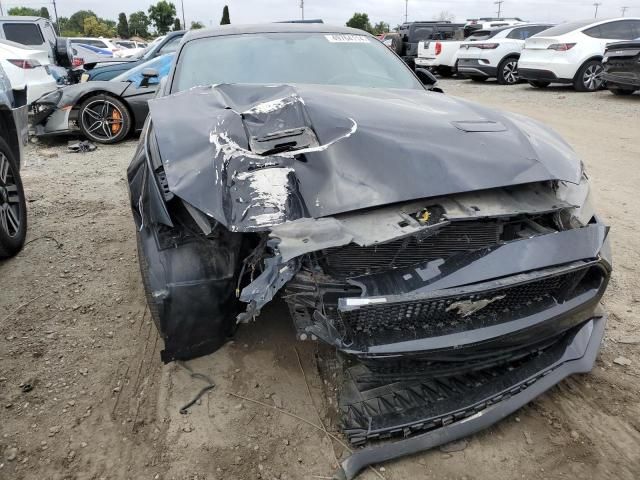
<point x="27" y="68"/>
<point x="498" y="55"/>
<point x="572" y="52"/>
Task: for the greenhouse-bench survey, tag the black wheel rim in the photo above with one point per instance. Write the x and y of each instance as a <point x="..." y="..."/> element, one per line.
<point x="9" y="199"/>
<point x="102" y="120"/>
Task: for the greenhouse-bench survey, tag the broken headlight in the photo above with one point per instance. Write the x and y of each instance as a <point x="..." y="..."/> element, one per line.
<point x="580" y="196"/>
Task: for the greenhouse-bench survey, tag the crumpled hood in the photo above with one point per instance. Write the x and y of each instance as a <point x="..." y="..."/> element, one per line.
<point x="254" y="156"/>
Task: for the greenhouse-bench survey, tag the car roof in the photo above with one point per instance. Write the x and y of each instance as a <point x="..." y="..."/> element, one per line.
<point x="20" y="18"/>
<point x="223" y="30"/>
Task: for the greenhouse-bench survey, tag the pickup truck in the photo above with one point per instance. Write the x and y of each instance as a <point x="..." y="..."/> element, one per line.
<point x="441" y="56"/>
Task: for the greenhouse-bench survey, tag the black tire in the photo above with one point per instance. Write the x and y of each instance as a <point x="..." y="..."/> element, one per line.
<point x="397" y="44"/>
<point x="539" y="83"/>
<point x="445" y="72"/>
<point x="477" y="78"/>
<point x="64" y="52"/>
<point x="589" y="77"/>
<point x="621" y="91"/>
<point x="13" y="206"/>
<point x="507" y="73"/>
<point x="104" y="119"/>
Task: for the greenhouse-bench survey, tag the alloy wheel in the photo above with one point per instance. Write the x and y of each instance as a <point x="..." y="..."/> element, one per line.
<point x="102" y="119"/>
<point x="592" y="77"/>
<point x="510" y="72"/>
<point x="9" y="199"/>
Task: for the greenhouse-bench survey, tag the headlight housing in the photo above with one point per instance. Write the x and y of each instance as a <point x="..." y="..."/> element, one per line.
<point x="579" y="195"/>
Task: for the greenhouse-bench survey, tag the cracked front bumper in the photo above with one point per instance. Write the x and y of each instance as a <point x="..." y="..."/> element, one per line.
<point x="576" y="354"/>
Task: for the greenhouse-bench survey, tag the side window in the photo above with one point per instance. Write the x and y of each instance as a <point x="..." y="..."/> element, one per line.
<point x="170" y="46"/>
<point x="24" y="33"/>
<point x="519" y="34"/>
<point x="620" y="30"/>
<point x="421" y="33"/>
<point x="446" y="33"/>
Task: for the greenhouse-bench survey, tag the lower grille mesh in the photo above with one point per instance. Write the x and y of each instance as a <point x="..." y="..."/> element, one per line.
<point x="353" y="260"/>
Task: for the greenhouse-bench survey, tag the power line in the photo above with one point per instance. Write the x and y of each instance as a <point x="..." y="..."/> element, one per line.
<point x="596" y="4"/>
<point x="499" y="3"/>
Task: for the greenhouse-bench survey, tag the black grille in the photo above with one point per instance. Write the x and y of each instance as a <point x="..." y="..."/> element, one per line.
<point x="409" y="320"/>
<point x="354" y="260"/>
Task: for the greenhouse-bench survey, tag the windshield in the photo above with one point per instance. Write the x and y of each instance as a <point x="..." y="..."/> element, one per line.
<point x="267" y="58"/>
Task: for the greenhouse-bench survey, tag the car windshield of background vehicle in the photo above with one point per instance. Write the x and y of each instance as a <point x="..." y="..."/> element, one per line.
<point x="314" y="58"/>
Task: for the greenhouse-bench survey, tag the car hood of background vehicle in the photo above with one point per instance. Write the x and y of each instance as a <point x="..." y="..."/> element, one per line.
<point x="376" y="147"/>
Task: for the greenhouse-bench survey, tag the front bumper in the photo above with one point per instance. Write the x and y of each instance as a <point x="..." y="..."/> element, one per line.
<point x="473" y="66"/>
<point x="432" y="352"/>
<point x="576" y="355"/>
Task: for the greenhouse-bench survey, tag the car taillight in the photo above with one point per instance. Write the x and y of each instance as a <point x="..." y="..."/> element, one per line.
<point x="485" y="46"/>
<point x="24" y="63"/>
<point x="561" y="47"/>
<point x="438" y="48"/>
<point x="77" y="62"/>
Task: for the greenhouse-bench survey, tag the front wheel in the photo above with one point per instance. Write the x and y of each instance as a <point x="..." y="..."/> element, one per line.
<point x="508" y="71"/>
<point x="589" y="77"/>
<point x="13" y="207"/>
<point x="104" y="119"/>
<point x="539" y="83"/>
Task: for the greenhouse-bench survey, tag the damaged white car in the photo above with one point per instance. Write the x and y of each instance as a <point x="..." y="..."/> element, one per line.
<point x="449" y="255"/>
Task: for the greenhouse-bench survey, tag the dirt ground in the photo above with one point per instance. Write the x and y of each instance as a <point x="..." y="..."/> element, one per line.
<point x="83" y="394"/>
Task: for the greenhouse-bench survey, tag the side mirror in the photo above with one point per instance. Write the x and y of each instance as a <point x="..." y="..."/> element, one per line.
<point x="147" y="75"/>
<point x="427" y="78"/>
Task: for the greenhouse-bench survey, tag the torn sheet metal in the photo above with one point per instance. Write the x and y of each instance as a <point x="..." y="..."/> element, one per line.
<point x="394" y="222"/>
<point x="335" y="155"/>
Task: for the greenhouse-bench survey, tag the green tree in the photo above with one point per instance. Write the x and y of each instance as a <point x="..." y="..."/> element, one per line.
<point x="162" y="15"/>
<point x="139" y="24"/>
<point x="197" y="25"/>
<point x="24" y="12"/>
<point x="123" y="26"/>
<point x="380" y="27"/>
<point x="44" y="13"/>
<point x="226" y="20"/>
<point x="74" y="26"/>
<point x="361" y="21"/>
<point x="176" y="24"/>
<point x="93" y="27"/>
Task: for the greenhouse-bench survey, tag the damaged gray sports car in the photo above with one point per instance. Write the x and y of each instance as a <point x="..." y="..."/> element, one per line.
<point x="447" y="254"/>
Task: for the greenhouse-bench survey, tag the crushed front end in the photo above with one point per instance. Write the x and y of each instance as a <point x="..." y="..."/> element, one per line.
<point x="452" y="284"/>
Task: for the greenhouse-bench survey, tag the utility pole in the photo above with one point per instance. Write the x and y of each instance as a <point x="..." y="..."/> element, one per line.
<point x="624" y="10"/>
<point x="55" y="12"/>
<point x="499" y="3"/>
<point x="184" y="23"/>
<point x="1" y="10"/>
<point x="596" y="4"/>
<point x="302" y="8"/>
<point x="406" y="11"/>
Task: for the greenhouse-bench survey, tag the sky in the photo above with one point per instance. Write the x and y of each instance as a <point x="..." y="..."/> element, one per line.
<point x="337" y="12"/>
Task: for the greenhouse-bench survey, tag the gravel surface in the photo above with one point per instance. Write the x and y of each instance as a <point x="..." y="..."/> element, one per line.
<point x="83" y="394"/>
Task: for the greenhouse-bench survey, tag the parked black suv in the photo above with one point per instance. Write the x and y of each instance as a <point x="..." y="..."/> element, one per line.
<point x="406" y="45"/>
<point x="622" y="67"/>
